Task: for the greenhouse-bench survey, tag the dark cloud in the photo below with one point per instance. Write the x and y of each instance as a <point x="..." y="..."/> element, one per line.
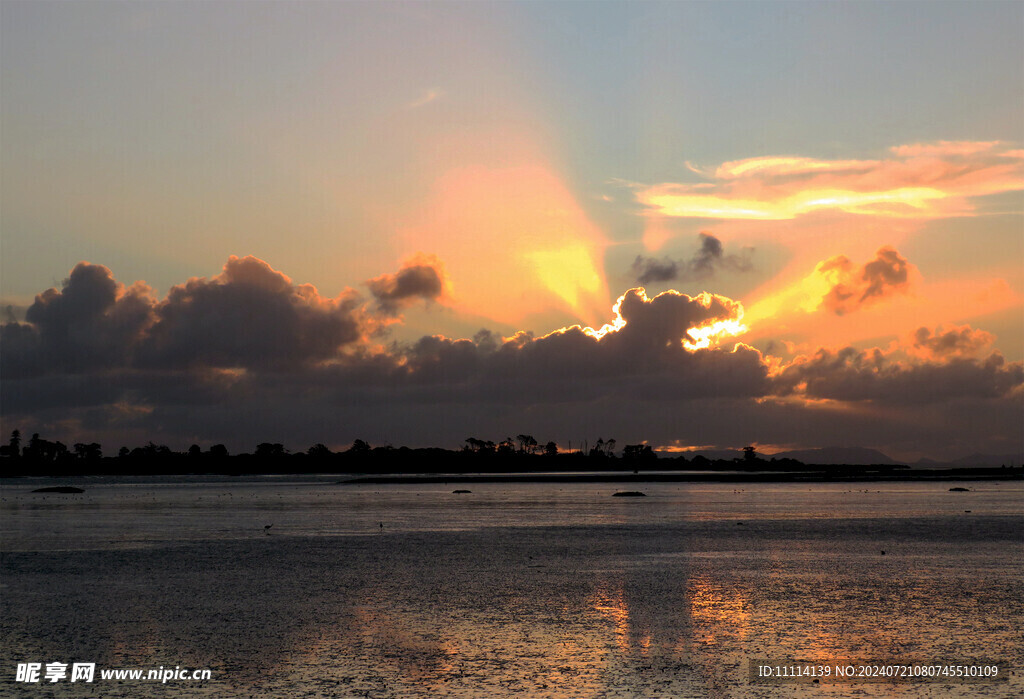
<point x="249" y="316"/>
<point x="92" y="322"/>
<point x="420" y="279"/>
<point x="873" y="375"/>
<point x="887" y="274"/>
<point x="960" y="341"/>
<point x="20" y="351"/>
<point x="641" y="354"/>
<point x="708" y="259"/>
<point x="649" y="270"/>
<point x="250" y="356"/>
<point x="13" y="313"/>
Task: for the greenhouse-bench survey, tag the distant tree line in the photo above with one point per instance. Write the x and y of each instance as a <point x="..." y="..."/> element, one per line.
<point x="522" y="453"/>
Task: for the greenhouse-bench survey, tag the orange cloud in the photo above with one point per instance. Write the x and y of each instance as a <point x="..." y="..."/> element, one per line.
<point x="838" y="286"/>
<point x="917" y="181"/>
<point x="889" y="296"/>
<point x="941" y="148"/>
<point x="887" y="274"/>
<point x="771" y="165"/>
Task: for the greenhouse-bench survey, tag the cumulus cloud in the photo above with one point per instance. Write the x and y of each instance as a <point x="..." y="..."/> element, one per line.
<point x="91" y="323"/>
<point x="250" y="329"/>
<point x="249" y="355"/>
<point x="915" y="181"/>
<point x="668" y="319"/>
<point x="854" y="375"/>
<point x="419" y="279"/>
<point x="709" y="258"/>
<point x="949" y="342"/>
<point x="249" y="316"/>
<point x="653" y="333"/>
<point x="852" y="287"/>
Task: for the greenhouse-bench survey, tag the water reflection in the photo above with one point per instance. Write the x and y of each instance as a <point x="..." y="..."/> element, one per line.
<point x="642" y="604"/>
<point x="718" y="610"/>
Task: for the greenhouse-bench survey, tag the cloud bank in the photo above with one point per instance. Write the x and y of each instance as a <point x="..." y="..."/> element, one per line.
<point x="249" y="355"/>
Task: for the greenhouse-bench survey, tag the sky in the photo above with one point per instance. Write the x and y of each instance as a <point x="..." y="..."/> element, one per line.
<point x="686" y="224"/>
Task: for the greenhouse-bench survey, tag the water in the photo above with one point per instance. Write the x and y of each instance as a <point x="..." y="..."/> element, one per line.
<point x="547" y="590"/>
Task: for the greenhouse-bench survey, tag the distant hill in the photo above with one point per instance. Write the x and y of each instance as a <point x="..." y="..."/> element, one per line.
<point x="853" y="456"/>
<point x="989" y="460"/>
<point x="712" y="454"/>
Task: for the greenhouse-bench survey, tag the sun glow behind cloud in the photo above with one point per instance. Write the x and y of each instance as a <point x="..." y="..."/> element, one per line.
<point x="821" y="211"/>
<point x="798" y="311"/>
<point x="569" y="272"/>
<point x="702" y="335"/>
<point x="514" y="242"/>
<point x="705" y="335"/>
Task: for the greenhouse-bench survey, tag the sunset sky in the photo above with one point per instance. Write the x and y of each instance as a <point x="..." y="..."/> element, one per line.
<point x="698" y="225"/>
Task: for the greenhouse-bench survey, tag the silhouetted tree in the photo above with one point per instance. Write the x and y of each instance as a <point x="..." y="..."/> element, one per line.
<point x="526" y="443"/>
<point x="32" y="451"/>
<point x="638" y="453"/>
<point x="44" y="451"/>
<point x="551" y="449"/>
<point x="218" y="451"/>
<point x="13" y="449"/>
<point x="318" y="451"/>
<point x="359" y="447"/>
<point x="749" y="454"/>
<point x="88" y="452"/>
<point x="123" y="453"/>
<point x="266" y="450"/>
<point x="603" y="449"/>
<point x="151" y="451"/>
<point x="194" y="451"/>
<point x="58" y="450"/>
<point x="480" y="446"/>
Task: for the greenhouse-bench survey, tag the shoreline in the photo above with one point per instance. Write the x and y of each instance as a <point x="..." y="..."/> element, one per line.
<point x="950" y="475"/>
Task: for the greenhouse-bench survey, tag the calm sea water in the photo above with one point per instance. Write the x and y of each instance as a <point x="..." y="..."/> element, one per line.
<point x="547" y="590"/>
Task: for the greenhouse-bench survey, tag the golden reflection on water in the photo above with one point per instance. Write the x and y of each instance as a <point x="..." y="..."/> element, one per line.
<point x="610" y="604"/>
<point x="615" y="633"/>
<point x="716" y="608"/>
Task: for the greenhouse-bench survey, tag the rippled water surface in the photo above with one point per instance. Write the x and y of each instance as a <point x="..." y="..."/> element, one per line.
<point x="548" y="590"/>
